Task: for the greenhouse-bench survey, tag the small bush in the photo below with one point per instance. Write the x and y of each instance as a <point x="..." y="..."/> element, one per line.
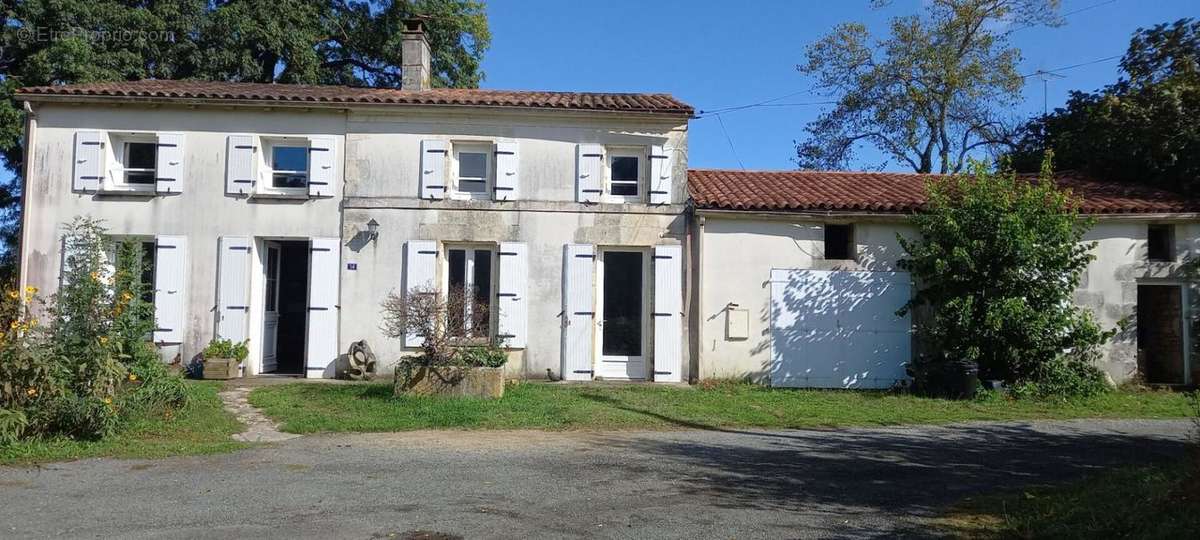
<point x="78" y="417"/>
<point x="12" y="425"/>
<point x="1064" y="379"/>
<point x="482" y="356"/>
<point x="224" y="348"/>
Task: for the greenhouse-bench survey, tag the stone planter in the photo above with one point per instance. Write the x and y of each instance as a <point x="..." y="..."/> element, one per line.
<point x="478" y="382"/>
<point x="221" y="368"/>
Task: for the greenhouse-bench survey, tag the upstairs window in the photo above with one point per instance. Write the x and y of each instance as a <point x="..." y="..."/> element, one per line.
<point x="839" y="242"/>
<point x="473" y="165"/>
<point x="625" y="174"/>
<point x="138" y="161"/>
<point x="289" y="166"/>
<point x="1160" y="243"/>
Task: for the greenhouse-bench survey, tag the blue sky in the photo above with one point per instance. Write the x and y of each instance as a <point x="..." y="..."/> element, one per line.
<point x="717" y="54"/>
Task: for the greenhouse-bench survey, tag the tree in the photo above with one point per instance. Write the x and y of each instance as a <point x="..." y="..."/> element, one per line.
<point x="997" y="261"/>
<point x="1141" y="129"/>
<point x="353" y="42"/>
<point x="927" y="95"/>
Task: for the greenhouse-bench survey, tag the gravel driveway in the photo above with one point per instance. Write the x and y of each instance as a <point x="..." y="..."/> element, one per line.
<point x="681" y="484"/>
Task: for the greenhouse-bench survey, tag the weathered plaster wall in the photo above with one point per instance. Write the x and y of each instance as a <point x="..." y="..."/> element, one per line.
<point x="381" y="265"/>
<point x="202" y="212"/>
<point x="737" y="255"/>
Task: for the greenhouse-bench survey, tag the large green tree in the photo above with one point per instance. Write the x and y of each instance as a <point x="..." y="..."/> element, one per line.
<point x="926" y="95"/>
<point x="354" y="42"/>
<point x="1145" y="128"/>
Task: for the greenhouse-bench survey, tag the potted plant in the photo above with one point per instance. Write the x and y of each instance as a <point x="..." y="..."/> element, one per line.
<point x="223" y="357"/>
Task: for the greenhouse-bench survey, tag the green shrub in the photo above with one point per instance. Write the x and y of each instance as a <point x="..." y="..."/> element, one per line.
<point x="1064" y="378"/>
<point x="482" y="356"/>
<point x="224" y="348"/>
<point x="12" y="425"/>
<point x="78" y="417"/>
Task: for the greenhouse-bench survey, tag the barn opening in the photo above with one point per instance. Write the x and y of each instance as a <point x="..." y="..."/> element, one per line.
<point x="1160" y="334"/>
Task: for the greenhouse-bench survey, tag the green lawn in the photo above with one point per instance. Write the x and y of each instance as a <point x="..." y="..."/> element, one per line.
<point x="201" y="427"/>
<point x="1161" y="501"/>
<point x="308" y="408"/>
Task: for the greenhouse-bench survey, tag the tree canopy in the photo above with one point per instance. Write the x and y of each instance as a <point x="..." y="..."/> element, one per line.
<point x="927" y="95"/>
<point x="1142" y="128"/>
<point x="351" y="42"/>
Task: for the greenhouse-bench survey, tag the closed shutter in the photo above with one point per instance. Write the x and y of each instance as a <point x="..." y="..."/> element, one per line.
<point x="433" y="169"/>
<point x="233" y="288"/>
<point x="170" y="287"/>
<point x="420" y="267"/>
<point x="168" y="170"/>
<point x="513" y="319"/>
<point x="660" y="175"/>
<point x="240" y="165"/>
<point x="324" y="262"/>
<point x="578" y="311"/>
<point x="507" y="177"/>
<point x="321" y="169"/>
<point x="589" y="164"/>
<point x="89" y="161"/>
<point x="668" y="313"/>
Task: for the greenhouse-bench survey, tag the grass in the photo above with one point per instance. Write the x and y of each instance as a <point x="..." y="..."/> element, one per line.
<point x="1159" y="501"/>
<point x="310" y="408"/>
<point x="201" y="427"/>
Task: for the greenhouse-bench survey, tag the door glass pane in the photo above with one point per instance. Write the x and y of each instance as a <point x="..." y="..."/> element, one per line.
<point x="482" y="307"/>
<point x="457" y="261"/>
<point x="622" y="334"/>
<point x="272" y="278"/>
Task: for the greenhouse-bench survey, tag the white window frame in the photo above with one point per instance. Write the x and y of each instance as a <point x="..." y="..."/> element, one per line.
<point x="469" y="282"/>
<point x="473" y="147"/>
<point x="266" y="177"/>
<point x="114" y="178"/>
<point x="613" y="152"/>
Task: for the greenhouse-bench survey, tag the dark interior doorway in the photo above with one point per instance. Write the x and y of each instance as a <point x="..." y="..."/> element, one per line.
<point x="622" y="315"/>
<point x="1160" y="334"/>
<point x="290" y="301"/>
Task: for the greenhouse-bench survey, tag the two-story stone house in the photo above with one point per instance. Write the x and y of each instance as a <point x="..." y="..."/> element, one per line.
<point x="284" y="214"/>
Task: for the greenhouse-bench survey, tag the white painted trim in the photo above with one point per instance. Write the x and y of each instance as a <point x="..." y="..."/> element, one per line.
<point x="647" y="305"/>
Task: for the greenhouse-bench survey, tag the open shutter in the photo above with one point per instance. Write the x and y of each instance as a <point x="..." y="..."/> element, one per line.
<point x="233" y="288"/>
<point x="168" y="171"/>
<point x="589" y="164"/>
<point x="660" y="175"/>
<point x="433" y="169"/>
<point x="240" y="164"/>
<point x="89" y="161"/>
<point x="323" y="265"/>
<point x="578" y="311"/>
<point x="170" y="287"/>
<point x="507" y="165"/>
<point x="420" y="267"/>
<point x="321" y="152"/>
<point x="668" y="313"/>
<point x="513" y="321"/>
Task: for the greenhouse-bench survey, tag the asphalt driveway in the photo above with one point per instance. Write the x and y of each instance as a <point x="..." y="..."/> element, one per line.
<point x="682" y="484"/>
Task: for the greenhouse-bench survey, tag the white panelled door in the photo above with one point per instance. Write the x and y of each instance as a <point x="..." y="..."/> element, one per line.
<point x="621" y="317"/>
<point x="578" y="314"/>
<point x="170" y="288"/>
<point x="270" y="345"/>
<point x="233" y="287"/>
<point x="839" y="328"/>
<point x="668" y="313"/>
<point x="513" y="319"/>
<point x="324" y="261"/>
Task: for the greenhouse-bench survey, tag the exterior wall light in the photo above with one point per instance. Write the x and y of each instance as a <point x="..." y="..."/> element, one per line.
<point x="372" y="230"/>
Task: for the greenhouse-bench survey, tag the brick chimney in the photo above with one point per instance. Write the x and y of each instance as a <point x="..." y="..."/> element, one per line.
<point x="414" y="56"/>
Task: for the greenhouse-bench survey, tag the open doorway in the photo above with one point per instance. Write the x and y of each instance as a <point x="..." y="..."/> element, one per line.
<point x="1160" y="334"/>
<point x="285" y="306"/>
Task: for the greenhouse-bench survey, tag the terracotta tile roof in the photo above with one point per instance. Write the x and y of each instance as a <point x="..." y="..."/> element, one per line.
<point x="808" y="191"/>
<point x="317" y="94"/>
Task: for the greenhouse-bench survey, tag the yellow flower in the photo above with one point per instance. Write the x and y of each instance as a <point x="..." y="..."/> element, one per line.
<point x="103" y="340"/>
<point x="108" y="401"/>
<point x="31" y="289"/>
<point x="33" y="322"/>
<point x="95" y="276"/>
<point x="31" y="391"/>
<point x="14" y="325"/>
<point x="132" y="377"/>
<point x="126" y="296"/>
<point x="14" y="295"/>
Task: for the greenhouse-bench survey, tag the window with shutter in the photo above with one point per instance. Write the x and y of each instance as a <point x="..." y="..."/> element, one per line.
<point x="88" y="169"/>
<point x="513" y="319"/>
<point x="233" y="287"/>
<point x="420" y="270"/>
<point x="321" y="166"/>
<point x="507" y="180"/>
<point x="169" y="268"/>
<point x="660" y="175"/>
<point x="321" y="348"/>
<point x="589" y="164"/>
<point x="241" y="165"/>
<point x="578" y="314"/>
<point x="433" y="169"/>
<point x="169" y="165"/>
<point x="668" y="313"/>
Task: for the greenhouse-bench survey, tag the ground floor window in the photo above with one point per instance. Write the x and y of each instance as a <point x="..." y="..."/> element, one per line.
<point x="147" y="252"/>
<point x="469" y="278"/>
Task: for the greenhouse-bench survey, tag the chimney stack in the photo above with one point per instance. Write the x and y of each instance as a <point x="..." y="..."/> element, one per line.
<point x="414" y="56"/>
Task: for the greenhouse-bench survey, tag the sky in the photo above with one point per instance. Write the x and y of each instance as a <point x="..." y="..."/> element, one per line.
<point x="715" y="55"/>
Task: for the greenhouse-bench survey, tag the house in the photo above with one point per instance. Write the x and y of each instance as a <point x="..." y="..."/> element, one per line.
<point x="285" y="214"/>
<point x="797" y="281"/>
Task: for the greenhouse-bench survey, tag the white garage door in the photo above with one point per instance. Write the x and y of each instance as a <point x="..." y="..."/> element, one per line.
<point x="838" y="329"/>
